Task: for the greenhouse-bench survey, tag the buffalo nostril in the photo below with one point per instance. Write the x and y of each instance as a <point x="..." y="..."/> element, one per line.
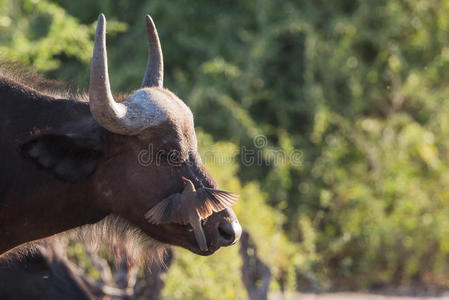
<point x="226" y="232"/>
<point x="230" y="232"/>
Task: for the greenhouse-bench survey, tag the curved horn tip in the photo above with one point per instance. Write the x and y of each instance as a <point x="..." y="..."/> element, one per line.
<point x="154" y="74"/>
<point x="101" y="17"/>
<point x="149" y="22"/>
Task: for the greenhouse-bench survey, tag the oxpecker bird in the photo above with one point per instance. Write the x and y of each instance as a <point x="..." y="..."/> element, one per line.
<point x="190" y="207"/>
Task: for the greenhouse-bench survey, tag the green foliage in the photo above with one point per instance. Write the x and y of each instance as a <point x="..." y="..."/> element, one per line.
<point x="359" y="87"/>
<point x="43" y="32"/>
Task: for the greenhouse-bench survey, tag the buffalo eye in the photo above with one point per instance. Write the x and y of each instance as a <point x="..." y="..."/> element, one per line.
<point x="172" y="157"/>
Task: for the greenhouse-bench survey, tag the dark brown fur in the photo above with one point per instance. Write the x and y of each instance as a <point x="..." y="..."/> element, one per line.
<point x="60" y="170"/>
<point x="40" y="271"/>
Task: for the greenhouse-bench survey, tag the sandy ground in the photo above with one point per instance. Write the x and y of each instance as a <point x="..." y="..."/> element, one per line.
<point x="351" y="296"/>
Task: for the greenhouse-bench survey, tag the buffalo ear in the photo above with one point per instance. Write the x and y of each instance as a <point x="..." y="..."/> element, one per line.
<point x="70" y="158"/>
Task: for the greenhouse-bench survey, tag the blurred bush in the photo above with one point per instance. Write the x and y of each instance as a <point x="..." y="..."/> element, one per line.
<point x="358" y="87"/>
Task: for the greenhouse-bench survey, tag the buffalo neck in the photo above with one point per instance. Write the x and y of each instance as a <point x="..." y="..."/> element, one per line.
<point x="34" y="203"/>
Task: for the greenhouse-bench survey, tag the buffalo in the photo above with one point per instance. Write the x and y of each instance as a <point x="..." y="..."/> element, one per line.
<point x="41" y="271"/>
<point x="67" y="161"/>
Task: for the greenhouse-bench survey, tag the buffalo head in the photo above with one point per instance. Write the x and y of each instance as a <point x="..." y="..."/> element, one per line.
<point x="151" y="145"/>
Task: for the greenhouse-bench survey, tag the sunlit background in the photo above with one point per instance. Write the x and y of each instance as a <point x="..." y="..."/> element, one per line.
<point x="356" y="91"/>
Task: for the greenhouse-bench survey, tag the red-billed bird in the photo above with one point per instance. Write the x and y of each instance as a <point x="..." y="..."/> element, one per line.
<point x="190" y="207"/>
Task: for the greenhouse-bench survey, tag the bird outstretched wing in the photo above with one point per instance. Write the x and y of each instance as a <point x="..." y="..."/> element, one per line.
<point x="170" y="210"/>
<point x="212" y="200"/>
